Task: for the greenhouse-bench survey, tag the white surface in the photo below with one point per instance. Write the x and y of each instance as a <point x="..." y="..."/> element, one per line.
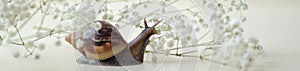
<point x="275" y="22"/>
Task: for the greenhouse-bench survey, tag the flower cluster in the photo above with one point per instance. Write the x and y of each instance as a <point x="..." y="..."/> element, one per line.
<point x="225" y="19"/>
<point x="84" y="14"/>
<point x="12" y="11"/>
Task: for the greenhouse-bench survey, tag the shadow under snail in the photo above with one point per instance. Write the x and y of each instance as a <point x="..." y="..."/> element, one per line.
<point x="106" y="46"/>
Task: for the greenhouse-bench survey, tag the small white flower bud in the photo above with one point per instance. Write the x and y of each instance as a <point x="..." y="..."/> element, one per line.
<point x="244" y="19"/>
<point x="16" y="54"/>
<point x="238" y="31"/>
<point x="105" y="17"/>
<point x="234" y="23"/>
<point x="37" y="56"/>
<point x="244" y="7"/>
<point x="170" y="43"/>
<point x="252" y="40"/>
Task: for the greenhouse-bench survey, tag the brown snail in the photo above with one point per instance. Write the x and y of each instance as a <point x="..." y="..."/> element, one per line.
<point x="106" y="46"/>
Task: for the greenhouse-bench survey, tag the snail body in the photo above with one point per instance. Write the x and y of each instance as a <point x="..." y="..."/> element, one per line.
<point x="106" y="46"/>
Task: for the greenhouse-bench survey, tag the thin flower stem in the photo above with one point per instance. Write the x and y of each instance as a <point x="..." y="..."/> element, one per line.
<point x="1" y="38"/>
<point x="43" y="16"/>
<point x="19" y="35"/>
<point x="204" y="15"/>
<point x="204" y="35"/>
<point x="34" y="48"/>
<point x="16" y="43"/>
<point x="50" y="33"/>
<point x="202" y="44"/>
<point x="30" y="52"/>
<point x="116" y="1"/>
<point x="203" y="58"/>
<point x="182" y="55"/>
<point x="151" y="13"/>
<point x="187" y="9"/>
<point x="27" y="49"/>
<point x="190" y="52"/>
<point x="30" y="2"/>
<point x="177" y="46"/>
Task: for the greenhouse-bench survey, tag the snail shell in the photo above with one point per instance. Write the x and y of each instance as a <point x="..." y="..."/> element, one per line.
<point x="106" y="46"/>
<point x="97" y="44"/>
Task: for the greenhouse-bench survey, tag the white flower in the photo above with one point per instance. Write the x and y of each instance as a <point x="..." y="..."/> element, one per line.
<point x="37" y="56"/>
<point x="248" y="55"/>
<point x="85" y="14"/>
<point x="58" y="43"/>
<point x="197" y="28"/>
<point x="238" y="31"/>
<point x="252" y="40"/>
<point x="245" y="64"/>
<point x="244" y="19"/>
<point x="170" y="43"/>
<point x="16" y="54"/>
<point x="234" y="23"/>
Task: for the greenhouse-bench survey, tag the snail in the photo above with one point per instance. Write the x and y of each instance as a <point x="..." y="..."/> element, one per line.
<point x="106" y="46"/>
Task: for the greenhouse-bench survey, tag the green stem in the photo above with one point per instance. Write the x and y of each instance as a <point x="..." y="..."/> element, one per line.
<point x="19" y="35"/>
<point x="191" y="46"/>
<point x="187" y="9"/>
<point x="51" y="33"/>
<point x="43" y="16"/>
<point x="1" y="38"/>
<point x="183" y="55"/>
<point x="190" y="52"/>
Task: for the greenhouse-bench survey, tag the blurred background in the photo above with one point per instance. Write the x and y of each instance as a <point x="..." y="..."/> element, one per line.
<point x="274" y="22"/>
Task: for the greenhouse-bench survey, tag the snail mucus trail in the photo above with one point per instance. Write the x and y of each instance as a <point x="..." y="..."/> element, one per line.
<point x="106" y="46"/>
